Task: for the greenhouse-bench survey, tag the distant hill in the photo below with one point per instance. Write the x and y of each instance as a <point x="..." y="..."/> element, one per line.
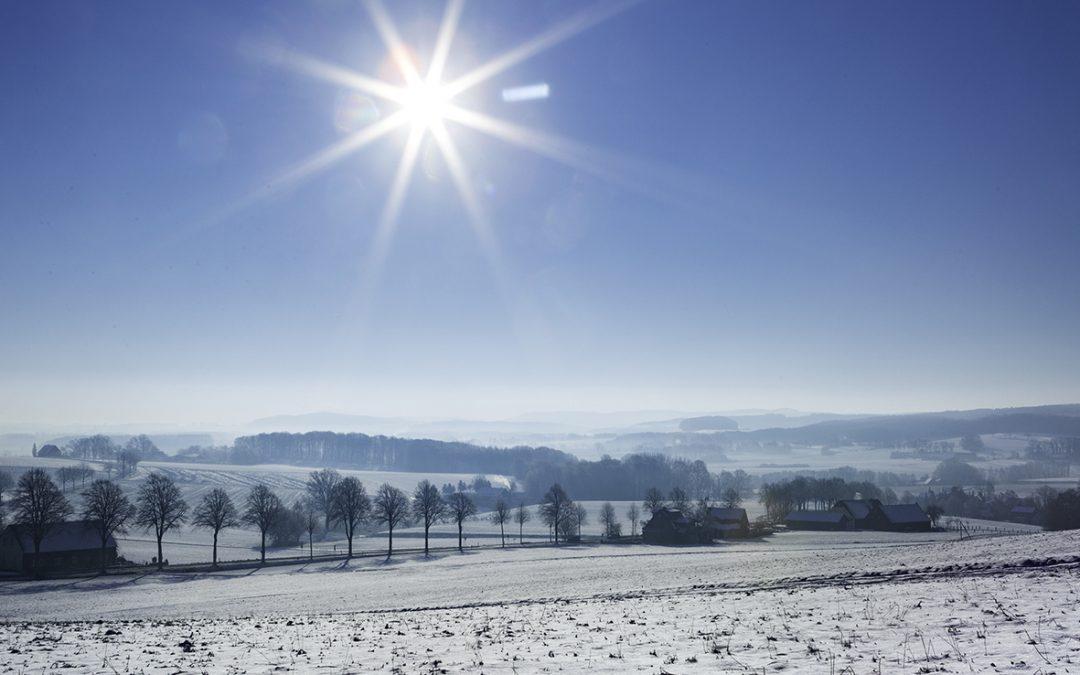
<point x="1055" y="420"/>
<point x="328" y="421"/>
<point x="599" y="421"/>
<point x="708" y="423"/>
<point x="786" y="421"/>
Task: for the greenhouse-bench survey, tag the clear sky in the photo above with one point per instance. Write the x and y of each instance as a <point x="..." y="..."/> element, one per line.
<point x="853" y="206"/>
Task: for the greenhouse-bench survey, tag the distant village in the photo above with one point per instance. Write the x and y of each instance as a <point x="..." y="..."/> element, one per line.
<point x="671" y="526"/>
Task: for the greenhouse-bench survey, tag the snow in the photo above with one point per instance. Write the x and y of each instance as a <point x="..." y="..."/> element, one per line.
<point x="806" y="602"/>
<point x="512" y="574"/>
<point x="871" y="606"/>
<point x="1003" y="624"/>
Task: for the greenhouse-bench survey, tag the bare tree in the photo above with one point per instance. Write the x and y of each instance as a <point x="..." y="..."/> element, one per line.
<point x="581" y="517"/>
<point x="679" y="499"/>
<point x="522" y="515"/>
<point x="127" y="461"/>
<point x="609" y="520"/>
<point x="215" y="512"/>
<point x="349" y="506"/>
<point x="554" y="508"/>
<point x="38" y="506"/>
<point x="262" y="509"/>
<point x="461" y="507"/>
<point x="311" y="517"/>
<point x="428" y="507"/>
<point x="64" y="475"/>
<point x="391" y="509"/>
<point x="161" y="508"/>
<point x="934" y="512"/>
<point x="105" y="504"/>
<point x="731" y="498"/>
<point x="654" y="500"/>
<point x="90" y="447"/>
<point x="142" y="446"/>
<point x="320" y="487"/>
<point x="568" y="521"/>
<point x="6" y="483"/>
<point x="135" y="450"/>
<point x="500" y="516"/>
<point x="634" y="515"/>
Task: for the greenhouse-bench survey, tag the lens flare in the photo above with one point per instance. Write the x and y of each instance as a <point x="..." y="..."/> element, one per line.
<point x="425" y="104"/>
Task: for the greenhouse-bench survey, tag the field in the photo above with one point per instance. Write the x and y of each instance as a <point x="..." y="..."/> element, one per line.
<point x="857" y="602"/>
<point x="805" y="602"/>
<point x="189" y="545"/>
<point x="766" y="460"/>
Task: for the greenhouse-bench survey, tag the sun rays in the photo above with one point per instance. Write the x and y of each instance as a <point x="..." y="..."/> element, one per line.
<point x="425" y="104"/>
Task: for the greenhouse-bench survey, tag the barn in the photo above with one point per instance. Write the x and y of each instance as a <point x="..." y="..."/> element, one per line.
<point x="866" y="514"/>
<point x="70" y="546"/>
<point x="819" y="520"/>
<point x="670" y="526"/>
<point x="905" y="518"/>
<point x="727" y="523"/>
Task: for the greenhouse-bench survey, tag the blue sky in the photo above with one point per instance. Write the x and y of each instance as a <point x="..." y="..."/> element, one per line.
<point x="844" y="206"/>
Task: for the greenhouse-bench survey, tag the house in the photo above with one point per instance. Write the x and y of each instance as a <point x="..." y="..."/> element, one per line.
<point x="726" y="523"/>
<point x="72" y="545"/>
<point x="819" y="520"/>
<point x="49" y="450"/>
<point x="904" y="518"/>
<point x="871" y="514"/>
<point x="865" y="514"/>
<point x="670" y="526"/>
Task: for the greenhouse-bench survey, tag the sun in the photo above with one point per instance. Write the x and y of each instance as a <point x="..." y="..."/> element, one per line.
<point x="425" y="104"/>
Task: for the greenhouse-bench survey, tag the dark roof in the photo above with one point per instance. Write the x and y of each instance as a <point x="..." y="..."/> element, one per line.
<point x="72" y="535"/>
<point x="666" y="515"/>
<point x="720" y="513"/>
<point x="858" y="508"/>
<point x="904" y="513"/>
<point x="816" y="516"/>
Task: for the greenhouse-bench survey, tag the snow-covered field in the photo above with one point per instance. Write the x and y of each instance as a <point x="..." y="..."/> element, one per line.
<point x="804" y="602"/>
<point x="1018" y="623"/>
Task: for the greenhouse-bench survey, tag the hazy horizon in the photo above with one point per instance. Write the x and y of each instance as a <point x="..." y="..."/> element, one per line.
<point x="408" y="412"/>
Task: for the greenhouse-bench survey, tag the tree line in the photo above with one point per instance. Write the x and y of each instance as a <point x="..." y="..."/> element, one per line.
<point x="361" y="451"/>
<point x="39" y="506"/>
<point x="1060" y="449"/>
<point x="538" y="467"/>
<point x="119" y="459"/>
<point x="1053" y="509"/>
<point x="802" y="493"/>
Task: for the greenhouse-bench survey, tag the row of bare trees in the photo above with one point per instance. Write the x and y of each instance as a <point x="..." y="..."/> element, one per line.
<point x="343" y="502"/>
<point x="679" y="500"/>
<point x="331" y="501"/>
